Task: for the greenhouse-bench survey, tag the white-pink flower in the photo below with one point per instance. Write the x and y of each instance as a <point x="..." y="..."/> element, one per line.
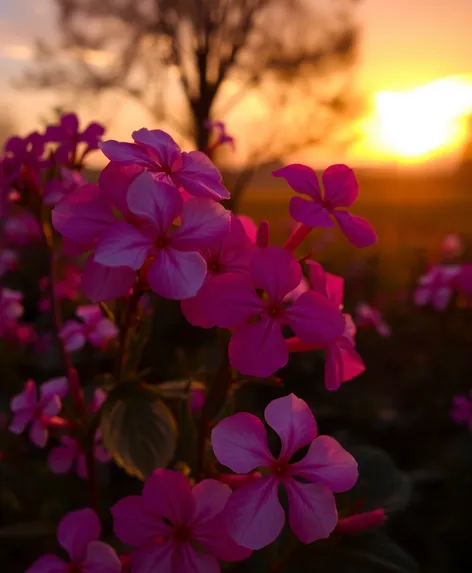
<point x="436" y="286"/>
<point x="28" y="408"/>
<point x="70" y="452"/>
<point x="11" y="309"/>
<point x="93" y="328"/>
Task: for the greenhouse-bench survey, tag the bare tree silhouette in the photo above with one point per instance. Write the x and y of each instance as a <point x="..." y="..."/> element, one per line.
<point x="186" y="61"/>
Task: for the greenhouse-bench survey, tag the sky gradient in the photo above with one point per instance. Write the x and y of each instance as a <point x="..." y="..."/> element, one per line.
<point x="405" y="44"/>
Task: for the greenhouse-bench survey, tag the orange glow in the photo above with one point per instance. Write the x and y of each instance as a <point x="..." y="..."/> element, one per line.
<point x="421" y="123"/>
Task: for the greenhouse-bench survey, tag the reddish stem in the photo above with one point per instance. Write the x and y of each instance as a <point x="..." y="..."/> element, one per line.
<point x="300" y="232"/>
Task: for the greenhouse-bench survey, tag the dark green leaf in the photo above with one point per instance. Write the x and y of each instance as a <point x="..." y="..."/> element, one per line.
<point x="28" y="530"/>
<point x="139" y="431"/>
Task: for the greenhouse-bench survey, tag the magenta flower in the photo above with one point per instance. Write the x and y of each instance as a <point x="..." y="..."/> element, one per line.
<point x="28" y="409"/>
<point x="233" y="254"/>
<point x="234" y="301"/>
<point x="21" y="228"/>
<point x="175" y="269"/>
<point x="11" y="309"/>
<point x="436" y="286"/>
<point x="23" y="160"/>
<point x="461" y="412"/>
<point x="367" y="316"/>
<point x="176" y="529"/>
<point x="155" y="151"/>
<point x="62" y="458"/>
<point x="221" y="136"/>
<point x="254" y="516"/>
<point x="452" y="247"/>
<point x="56" y="189"/>
<point x="8" y="261"/>
<point x="68" y="135"/>
<point x="340" y="190"/>
<point x="93" y="328"/>
<point x="78" y="533"/>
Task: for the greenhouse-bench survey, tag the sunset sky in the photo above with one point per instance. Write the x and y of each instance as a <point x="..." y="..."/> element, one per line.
<point x="407" y="46"/>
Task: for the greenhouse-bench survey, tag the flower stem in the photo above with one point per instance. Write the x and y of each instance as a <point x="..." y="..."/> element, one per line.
<point x="300" y="232"/>
<point x="124" y="330"/>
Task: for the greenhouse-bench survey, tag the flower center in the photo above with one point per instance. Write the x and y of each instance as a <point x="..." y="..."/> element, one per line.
<point x="162" y="242"/>
<point x="326" y="204"/>
<point x="215" y="267"/>
<point x="280" y="469"/>
<point x="274" y="311"/>
<point x="182" y="534"/>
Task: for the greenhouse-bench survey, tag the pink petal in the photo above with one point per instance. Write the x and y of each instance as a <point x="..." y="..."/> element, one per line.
<point x="100" y="558"/>
<point x="176" y="274"/>
<point x="38" y="434"/>
<point x="135" y="523"/>
<point x="199" y="177"/>
<point x="250" y="228"/>
<point x="114" y="182"/>
<point x="240" y="443"/>
<point x="89" y="313"/>
<point x="73" y="249"/>
<point x="126" y="153"/>
<point x="159" y="145"/>
<point x="70" y="123"/>
<point x="340" y="185"/>
<point x="52" y="388"/>
<point x="48" y="564"/>
<point x="254" y="516"/>
<point x="167" y="493"/>
<point x="312" y="510"/>
<point x="309" y="213"/>
<point x="328" y="463"/>
<point x="259" y="348"/>
<point x="204" y="223"/>
<point x="301" y="179"/>
<point x="358" y="230"/>
<point x="189" y="560"/>
<point x="156" y="557"/>
<point x="101" y="283"/>
<point x="122" y="245"/>
<point x="291" y="418"/>
<point x="83" y="214"/>
<point x="214" y="538"/>
<point x="276" y="271"/>
<point x="76" y="530"/>
<point x="27" y="399"/>
<point x="20" y="421"/>
<point x="103" y="332"/>
<point x="210" y="499"/>
<point x="60" y="459"/>
<point x="73" y="335"/>
<point x="229" y="300"/>
<point x="156" y="201"/>
<point x="331" y="286"/>
<point x="101" y="454"/>
<point x="314" y="319"/>
<point x="343" y="363"/>
<point x="194" y="311"/>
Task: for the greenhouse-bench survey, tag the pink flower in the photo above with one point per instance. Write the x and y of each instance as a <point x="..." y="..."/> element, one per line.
<point x="367" y="316"/>
<point x="94" y="328"/>
<point x="8" y="261"/>
<point x="218" y="129"/>
<point x="11" y="309"/>
<point x="21" y="228"/>
<point x="61" y="458"/>
<point x="68" y="135"/>
<point x="155" y="151"/>
<point x="56" y="189"/>
<point x="461" y="412"/>
<point x="436" y="286"/>
<point x="257" y="346"/>
<point x="176" y="529"/>
<point x="175" y="268"/>
<point x="23" y="160"/>
<point x="254" y="516"/>
<point x="78" y="534"/>
<point x="340" y="190"/>
<point x="452" y="247"/>
<point x="232" y="254"/>
<point x="28" y="409"/>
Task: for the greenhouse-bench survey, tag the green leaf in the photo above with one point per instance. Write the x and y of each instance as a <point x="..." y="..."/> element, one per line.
<point x="139" y="431"/>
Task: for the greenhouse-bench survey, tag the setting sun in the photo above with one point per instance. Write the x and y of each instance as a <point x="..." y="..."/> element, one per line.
<point x="420" y="123"/>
